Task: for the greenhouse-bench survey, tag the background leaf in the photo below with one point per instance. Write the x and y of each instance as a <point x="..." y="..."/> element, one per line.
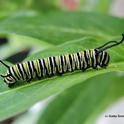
<point x="98" y="6"/>
<point x="38" y="90"/>
<point x="56" y="28"/>
<point x="18" y="43"/>
<point x="82" y="103"/>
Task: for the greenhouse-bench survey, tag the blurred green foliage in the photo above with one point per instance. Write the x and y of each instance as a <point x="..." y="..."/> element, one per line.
<point x="84" y="102"/>
<point x="99" y="6"/>
<point x="10" y="6"/>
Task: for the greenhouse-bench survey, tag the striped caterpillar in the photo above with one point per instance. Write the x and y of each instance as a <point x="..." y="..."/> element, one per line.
<point x="50" y="66"/>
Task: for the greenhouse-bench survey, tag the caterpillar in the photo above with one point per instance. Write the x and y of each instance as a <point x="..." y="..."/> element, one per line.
<point x="50" y="66"/>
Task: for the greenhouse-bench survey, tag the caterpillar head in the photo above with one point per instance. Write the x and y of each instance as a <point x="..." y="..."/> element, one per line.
<point x="9" y="80"/>
<point x="103" y="59"/>
<point x="102" y="56"/>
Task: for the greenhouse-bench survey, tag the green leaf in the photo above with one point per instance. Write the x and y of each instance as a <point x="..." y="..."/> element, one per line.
<point x="83" y="103"/>
<point x="99" y="6"/>
<point x="26" y="7"/>
<point x="44" y="5"/>
<point x="8" y="7"/>
<point x="92" y="34"/>
<point x="56" y="28"/>
<point x="38" y="90"/>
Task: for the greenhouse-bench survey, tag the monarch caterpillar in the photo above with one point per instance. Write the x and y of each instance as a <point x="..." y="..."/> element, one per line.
<point x="50" y="66"/>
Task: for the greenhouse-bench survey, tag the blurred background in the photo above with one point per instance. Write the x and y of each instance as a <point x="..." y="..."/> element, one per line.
<point x="20" y="48"/>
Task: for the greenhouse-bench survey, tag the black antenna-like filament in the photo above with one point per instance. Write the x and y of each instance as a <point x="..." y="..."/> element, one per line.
<point x="3" y="76"/>
<point x="110" y="44"/>
<point x="4" y="64"/>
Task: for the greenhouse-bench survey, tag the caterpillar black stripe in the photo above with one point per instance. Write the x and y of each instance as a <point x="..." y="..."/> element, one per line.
<point x="50" y="66"/>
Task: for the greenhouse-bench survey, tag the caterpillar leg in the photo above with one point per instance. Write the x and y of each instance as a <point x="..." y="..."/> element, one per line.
<point x="84" y="69"/>
<point x="49" y="76"/>
<point x="39" y="78"/>
<point x="29" y="80"/>
<point x="60" y="74"/>
<point x="96" y="68"/>
<point x="104" y="67"/>
<point x="11" y="85"/>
